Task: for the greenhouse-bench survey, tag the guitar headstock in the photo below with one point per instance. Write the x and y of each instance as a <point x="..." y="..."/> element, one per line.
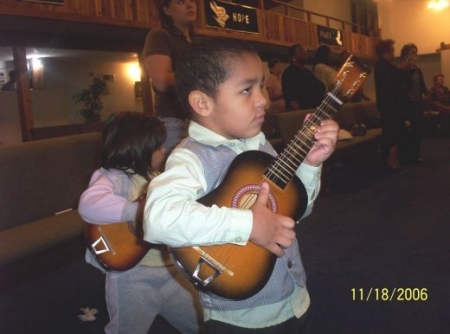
<point x="350" y="78"/>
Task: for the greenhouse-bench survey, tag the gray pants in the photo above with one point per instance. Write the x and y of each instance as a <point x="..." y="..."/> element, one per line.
<point x="135" y="297"/>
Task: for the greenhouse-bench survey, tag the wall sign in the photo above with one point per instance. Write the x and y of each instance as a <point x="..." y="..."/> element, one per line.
<point x="231" y="16"/>
<point x="329" y="36"/>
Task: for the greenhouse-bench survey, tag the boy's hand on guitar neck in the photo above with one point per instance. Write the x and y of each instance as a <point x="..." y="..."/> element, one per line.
<point x="325" y="141"/>
<point x="270" y="230"/>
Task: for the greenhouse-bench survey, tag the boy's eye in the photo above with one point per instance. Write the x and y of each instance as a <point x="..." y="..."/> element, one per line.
<point x="246" y="90"/>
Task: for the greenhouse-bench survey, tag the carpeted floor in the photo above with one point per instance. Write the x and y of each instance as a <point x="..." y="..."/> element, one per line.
<point x="376" y="250"/>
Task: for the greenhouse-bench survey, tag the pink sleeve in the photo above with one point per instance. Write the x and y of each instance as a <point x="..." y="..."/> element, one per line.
<point x="99" y="204"/>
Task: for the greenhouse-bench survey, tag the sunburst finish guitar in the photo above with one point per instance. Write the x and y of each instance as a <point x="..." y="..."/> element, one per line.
<point x="117" y="246"/>
<point x="238" y="272"/>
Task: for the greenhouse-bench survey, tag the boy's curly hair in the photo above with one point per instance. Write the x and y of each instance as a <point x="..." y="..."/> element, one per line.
<point x="207" y="63"/>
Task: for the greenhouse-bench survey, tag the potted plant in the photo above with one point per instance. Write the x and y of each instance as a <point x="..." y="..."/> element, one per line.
<point x="91" y="97"/>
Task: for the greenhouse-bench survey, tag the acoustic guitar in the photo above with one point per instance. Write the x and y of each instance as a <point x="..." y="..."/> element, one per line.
<point x="117" y="246"/>
<point x="238" y="272"/>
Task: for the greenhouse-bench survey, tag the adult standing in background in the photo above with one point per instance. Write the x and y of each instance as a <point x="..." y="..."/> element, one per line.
<point x="439" y="100"/>
<point x="322" y="69"/>
<point x="391" y="102"/>
<point x="301" y="89"/>
<point x="162" y="49"/>
<point x="273" y="85"/>
<point x="417" y="90"/>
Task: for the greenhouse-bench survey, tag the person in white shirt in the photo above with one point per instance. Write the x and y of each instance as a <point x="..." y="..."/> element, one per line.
<point x="220" y="82"/>
<point x="322" y="68"/>
<point x="274" y="86"/>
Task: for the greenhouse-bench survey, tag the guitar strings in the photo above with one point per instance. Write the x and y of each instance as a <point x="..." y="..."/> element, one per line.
<point x="285" y="165"/>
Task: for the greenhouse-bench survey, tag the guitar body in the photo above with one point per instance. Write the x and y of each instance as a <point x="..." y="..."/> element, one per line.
<point x="117" y="246"/>
<point x="232" y="271"/>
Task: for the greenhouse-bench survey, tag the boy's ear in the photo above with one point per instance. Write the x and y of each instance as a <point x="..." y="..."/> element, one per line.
<point x="200" y="103"/>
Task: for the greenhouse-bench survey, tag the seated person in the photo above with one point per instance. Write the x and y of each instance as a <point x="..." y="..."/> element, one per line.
<point x="322" y="69"/>
<point x="301" y="89"/>
<point x="11" y="84"/>
<point x="439" y="100"/>
<point x="273" y="85"/>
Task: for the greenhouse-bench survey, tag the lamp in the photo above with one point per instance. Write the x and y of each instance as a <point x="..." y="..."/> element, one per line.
<point x="438" y="4"/>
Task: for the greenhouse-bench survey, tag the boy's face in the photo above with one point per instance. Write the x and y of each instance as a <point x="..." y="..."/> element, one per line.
<point x="238" y="109"/>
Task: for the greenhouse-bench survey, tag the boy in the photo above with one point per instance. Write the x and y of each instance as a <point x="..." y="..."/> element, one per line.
<point x="220" y="82"/>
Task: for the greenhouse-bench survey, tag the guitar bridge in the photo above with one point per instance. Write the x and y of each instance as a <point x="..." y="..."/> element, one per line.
<point x="197" y="280"/>
<point x="101" y="245"/>
<point x="205" y="260"/>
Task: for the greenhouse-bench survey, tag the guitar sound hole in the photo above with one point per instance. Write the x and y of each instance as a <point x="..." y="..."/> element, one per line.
<point x="246" y="196"/>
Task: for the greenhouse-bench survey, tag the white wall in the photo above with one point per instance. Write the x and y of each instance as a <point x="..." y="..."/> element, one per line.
<point x="71" y="76"/>
<point x="340" y="9"/>
<point x="410" y="21"/>
<point x="62" y="77"/>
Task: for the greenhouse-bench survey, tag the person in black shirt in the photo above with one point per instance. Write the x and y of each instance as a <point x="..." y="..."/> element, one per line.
<point x="392" y="102"/>
<point x="301" y="89"/>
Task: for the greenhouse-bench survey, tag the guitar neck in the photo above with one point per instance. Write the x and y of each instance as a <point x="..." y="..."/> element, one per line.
<point x="348" y="80"/>
<point x="282" y="170"/>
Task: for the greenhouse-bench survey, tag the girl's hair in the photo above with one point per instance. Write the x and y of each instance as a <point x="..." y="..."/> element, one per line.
<point x="129" y="141"/>
<point x="206" y="64"/>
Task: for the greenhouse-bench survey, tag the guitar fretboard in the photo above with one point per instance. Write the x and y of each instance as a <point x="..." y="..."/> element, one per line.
<point x="282" y="170"/>
<point x="348" y="80"/>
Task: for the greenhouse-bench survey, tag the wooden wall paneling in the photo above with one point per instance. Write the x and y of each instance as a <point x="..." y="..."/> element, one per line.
<point x="127" y="10"/>
<point x="143" y="11"/>
<point x="112" y="8"/>
<point x="347" y="40"/>
<point x="273" y="27"/>
<point x="312" y="35"/>
<point x="133" y="10"/>
<point x="98" y="8"/>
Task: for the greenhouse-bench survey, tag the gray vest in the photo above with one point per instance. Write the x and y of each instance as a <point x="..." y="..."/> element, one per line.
<point x="288" y="270"/>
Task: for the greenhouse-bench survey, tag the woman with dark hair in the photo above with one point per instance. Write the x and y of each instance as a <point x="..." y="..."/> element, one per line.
<point x="163" y="46"/>
<point x="391" y="102"/>
<point x="132" y="153"/>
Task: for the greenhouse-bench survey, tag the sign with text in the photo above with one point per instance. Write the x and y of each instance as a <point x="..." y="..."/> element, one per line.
<point x="329" y="36"/>
<point x="230" y="16"/>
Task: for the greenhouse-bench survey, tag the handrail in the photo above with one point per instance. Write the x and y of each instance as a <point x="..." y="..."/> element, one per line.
<point x="359" y="28"/>
<point x="282" y="29"/>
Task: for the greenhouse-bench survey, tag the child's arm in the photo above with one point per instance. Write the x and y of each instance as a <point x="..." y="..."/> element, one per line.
<point x="309" y="171"/>
<point x="101" y="203"/>
<point x="172" y="215"/>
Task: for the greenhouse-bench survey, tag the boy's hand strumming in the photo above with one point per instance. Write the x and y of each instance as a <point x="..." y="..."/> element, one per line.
<point x="270" y="230"/>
